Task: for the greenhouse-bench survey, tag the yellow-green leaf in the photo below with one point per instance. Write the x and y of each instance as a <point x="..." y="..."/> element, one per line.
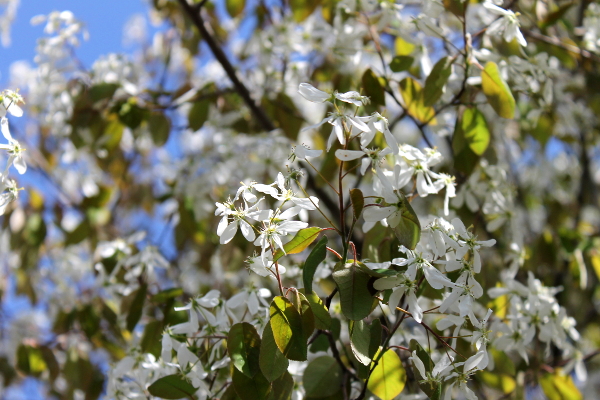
<point x="558" y="386"/>
<point x="301" y="241"/>
<point x="403" y="48"/>
<point x="302" y="9"/>
<point x="414" y="101"/>
<point x="497" y="91"/>
<point x="235" y="7"/>
<point x="472" y="132"/>
<point x="288" y="330"/>
<point x="389" y="377"/>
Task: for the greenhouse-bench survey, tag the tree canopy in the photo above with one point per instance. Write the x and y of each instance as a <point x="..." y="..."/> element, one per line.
<point x="306" y="199"/>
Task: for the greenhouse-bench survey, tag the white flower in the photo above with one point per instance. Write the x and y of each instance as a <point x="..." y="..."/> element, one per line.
<point x="374" y="157"/>
<point x="10" y="100"/>
<point x="9" y="195"/>
<point x="352" y="97"/>
<point x="301" y="152"/>
<point x="508" y="24"/>
<point x="311" y="93"/>
<point x="14" y="149"/>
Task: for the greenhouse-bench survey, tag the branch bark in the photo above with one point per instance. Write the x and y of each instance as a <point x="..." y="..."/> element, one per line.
<point x="221" y="57"/>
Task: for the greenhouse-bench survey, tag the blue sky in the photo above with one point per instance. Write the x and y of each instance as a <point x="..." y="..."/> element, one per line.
<point x="104" y="21"/>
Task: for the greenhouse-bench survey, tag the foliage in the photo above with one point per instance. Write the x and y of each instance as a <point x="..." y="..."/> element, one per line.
<point x="420" y="219"/>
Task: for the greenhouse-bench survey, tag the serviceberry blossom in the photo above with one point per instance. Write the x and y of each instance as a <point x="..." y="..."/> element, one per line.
<point x="507" y="25"/>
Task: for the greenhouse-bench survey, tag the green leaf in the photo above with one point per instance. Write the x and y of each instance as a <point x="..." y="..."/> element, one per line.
<point x="271" y="360"/>
<point x="322" y="377"/>
<point x="389" y="377"/>
<point x="316" y="257"/>
<point x="302" y="9"/>
<point x="322" y="316"/>
<point x="167" y="294"/>
<point x="456" y="7"/>
<point x="172" y="387"/>
<point x="360" y="340"/>
<point x="497" y="91"/>
<point x="136" y="308"/>
<point x="355" y="296"/>
<point x="308" y="317"/>
<point x="553" y="17"/>
<point x="256" y="388"/>
<point x="375" y="337"/>
<point x="558" y="386"/>
<point x="358" y="202"/>
<point x="408" y="230"/>
<point x="414" y="101"/>
<point x="160" y="127"/>
<point x="30" y="360"/>
<point x="230" y="394"/>
<point x="282" y="388"/>
<point x="401" y="63"/>
<point x="287" y="327"/>
<point x="150" y="342"/>
<point x="372" y="88"/>
<point x="301" y="241"/>
<point x="437" y="79"/>
<point x="470" y="140"/>
<point x="198" y="114"/>
<point x="235" y="7"/>
<point x="473" y="132"/>
<point x="102" y="91"/>
<point x="243" y="346"/>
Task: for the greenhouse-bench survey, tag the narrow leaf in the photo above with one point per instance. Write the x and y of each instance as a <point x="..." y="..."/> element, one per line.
<point x="408" y="230"/>
<point x="360" y="340"/>
<point x="435" y="82"/>
<point x="137" y="306"/>
<point x="497" y="91"/>
<point x="388" y="378"/>
<point x="243" y="346"/>
<point x="316" y="257"/>
<point x="322" y="316"/>
<point x="287" y="327"/>
<point x="172" y="387"/>
<point x="301" y="241"/>
<point x="358" y="202"/>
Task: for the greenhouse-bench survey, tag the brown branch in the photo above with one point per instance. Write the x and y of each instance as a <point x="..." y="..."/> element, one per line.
<point x="555" y="41"/>
<point x="242" y="90"/>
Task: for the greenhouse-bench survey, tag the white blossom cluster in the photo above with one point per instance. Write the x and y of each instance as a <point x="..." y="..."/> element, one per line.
<point x="9" y="103"/>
